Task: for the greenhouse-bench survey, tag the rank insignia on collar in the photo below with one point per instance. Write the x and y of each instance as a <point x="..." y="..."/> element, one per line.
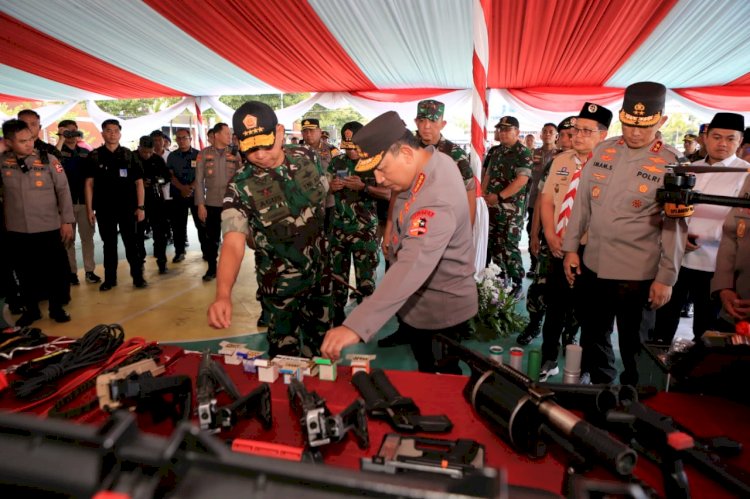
<point x="657" y="146"/>
<point x="419" y="183"/>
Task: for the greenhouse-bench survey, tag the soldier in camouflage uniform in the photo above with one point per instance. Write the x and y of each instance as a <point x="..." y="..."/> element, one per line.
<point x="430" y="123"/>
<point x="507" y="169"/>
<point x="277" y="198"/>
<point x="354" y="224"/>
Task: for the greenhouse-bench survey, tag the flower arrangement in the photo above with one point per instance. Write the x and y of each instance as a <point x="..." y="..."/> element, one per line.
<point x="497" y="316"/>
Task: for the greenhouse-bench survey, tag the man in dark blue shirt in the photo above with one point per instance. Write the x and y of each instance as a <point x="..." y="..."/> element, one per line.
<point x="181" y="164"/>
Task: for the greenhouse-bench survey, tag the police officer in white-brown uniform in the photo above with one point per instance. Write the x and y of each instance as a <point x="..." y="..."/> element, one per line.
<point x="633" y="252"/>
<point x="430" y="283"/>
<point x="38" y="218"/>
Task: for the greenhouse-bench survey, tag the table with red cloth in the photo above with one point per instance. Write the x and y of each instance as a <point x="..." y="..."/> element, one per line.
<point x="442" y="394"/>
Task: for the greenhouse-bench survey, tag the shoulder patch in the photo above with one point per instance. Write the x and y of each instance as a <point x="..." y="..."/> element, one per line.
<point x="418" y="225"/>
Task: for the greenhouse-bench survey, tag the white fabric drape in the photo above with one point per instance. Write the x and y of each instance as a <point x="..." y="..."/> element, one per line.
<point x="133" y="128"/>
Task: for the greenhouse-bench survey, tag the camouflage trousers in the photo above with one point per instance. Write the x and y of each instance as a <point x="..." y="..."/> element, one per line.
<point x="297" y="324"/>
<point x="535" y="303"/>
<point x="506" y="227"/>
<point x="362" y="244"/>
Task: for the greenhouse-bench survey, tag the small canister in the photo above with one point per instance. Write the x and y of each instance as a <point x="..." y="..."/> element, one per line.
<point x="496" y="354"/>
<point x="534" y="364"/>
<point x="516" y="358"/>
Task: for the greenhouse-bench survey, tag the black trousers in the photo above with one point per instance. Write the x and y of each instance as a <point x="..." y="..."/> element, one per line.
<point x="561" y="314"/>
<point x="421" y="346"/>
<point x="158" y="219"/>
<point x="532" y="257"/>
<point x="41" y="264"/>
<point x="213" y="235"/>
<point x="178" y="213"/>
<point x="695" y="284"/>
<point x="109" y="223"/>
<point x="604" y="301"/>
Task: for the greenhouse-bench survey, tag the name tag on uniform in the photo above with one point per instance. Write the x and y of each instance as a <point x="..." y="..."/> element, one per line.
<point x="123" y="172"/>
<point x="192" y="163"/>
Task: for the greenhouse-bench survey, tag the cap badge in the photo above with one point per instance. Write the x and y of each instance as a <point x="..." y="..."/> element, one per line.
<point x="593" y="108"/>
<point x="639" y="109"/>
<point x="348" y="135"/>
<point x="250" y="121"/>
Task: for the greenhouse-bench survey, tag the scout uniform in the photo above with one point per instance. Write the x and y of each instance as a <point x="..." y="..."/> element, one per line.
<point x="630" y="241"/>
<point x="73" y="161"/>
<point x="213" y="171"/>
<point x="535" y="301"/>
<point x="561" y="317"/>
<point x="115" y="201"/>
<point x="502" y="165"/>
<point x="354" y="226"/>
<point x="430" y="283"/>
<point x="182" y="165"/>
<point x="282" y="208"/>
<point x="733" y="259"/>
<point x="36" y="202"/>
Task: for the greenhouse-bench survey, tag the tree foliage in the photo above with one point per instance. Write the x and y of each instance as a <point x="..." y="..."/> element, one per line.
<point x="135" y="108"/>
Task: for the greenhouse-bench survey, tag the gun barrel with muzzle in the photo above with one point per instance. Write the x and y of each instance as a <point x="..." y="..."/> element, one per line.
<point x="525" y="414"/>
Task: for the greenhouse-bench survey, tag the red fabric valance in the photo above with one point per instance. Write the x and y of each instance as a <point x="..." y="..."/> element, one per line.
<point x="291" y="48"/>
<point x="562" y="99"/>
<point x="566" y="42"/>
<point x="404" y="95"/>
<point x="30" y="50"/>
<point x="734" y="98"/>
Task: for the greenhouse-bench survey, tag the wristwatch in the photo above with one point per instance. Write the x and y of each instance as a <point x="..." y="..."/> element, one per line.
<point x="141" y="207"/>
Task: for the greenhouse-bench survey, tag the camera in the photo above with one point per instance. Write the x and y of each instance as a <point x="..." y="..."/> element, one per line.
<point x="69" y="134"/>
<point x="342" y="174"/>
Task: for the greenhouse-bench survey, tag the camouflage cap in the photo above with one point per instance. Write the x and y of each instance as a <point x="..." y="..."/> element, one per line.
<point x="690" y="137"/>
<point x="374" y="139"/>
<point x="431" y="109"/>
<point x="310" y="124"/>
<point x="254" y="123"/>
<point x="643" y="104"/>
<point x="347" y="132"/>
<point x="507" y="121"/>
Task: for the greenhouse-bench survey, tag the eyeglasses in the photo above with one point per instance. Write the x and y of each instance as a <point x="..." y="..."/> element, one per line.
<point x="586" y="132"/>
<point x="182" y="137"/>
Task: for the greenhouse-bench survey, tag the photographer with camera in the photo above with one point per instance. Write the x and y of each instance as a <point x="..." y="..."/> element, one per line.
<point x="156" y="177"/>
<point x="73" y="158"/>
<point x="721" y="140"/>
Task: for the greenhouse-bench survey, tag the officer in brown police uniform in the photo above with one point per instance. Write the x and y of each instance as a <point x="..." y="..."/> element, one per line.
<point x="38" y="219"/>
<point x="214" y="168"/>
<point x="731" y="280"/>
<point x="634" y="251"/>
<point x="430" y="282"/>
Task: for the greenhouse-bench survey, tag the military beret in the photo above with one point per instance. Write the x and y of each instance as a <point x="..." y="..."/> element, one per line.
<point x="310" y="124"/>
<point x="347" y="132"/>
<point x="600" y="114"/>
<point x="728" y="121"/>
<point x="507" y="121"/>
<point x="374" y="139"/>
<point x="689" y="137"/>
<point x="566" y="124"/>
<point x="254" y="124"/>
<point x="431" y="109"/>
<point x="643" y="104"/>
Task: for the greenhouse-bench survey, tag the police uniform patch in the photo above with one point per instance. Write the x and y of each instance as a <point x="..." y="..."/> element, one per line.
<point x="37" y="174"/>
<point x="637" y="203"/>
<point x="418" y="184"/>
<point x="424" y="213"/>
<point x="610" y="150"/>
<point x="563" y="171"/>
<point x="657" y="160"/>
<point x="652" y="169"/>
<point x="8" y="173"/>
<point x="605" y="157"/>
<point x="596" y="192"/>
<point x="58" y="168"/>
<point x="741" y="229"/>
<point x="209" y="172"/>
<point x="643" y="188"/>
<point x="599" y="176"/>
<point x="418" y="226"/>
<point x="39" y="183"/>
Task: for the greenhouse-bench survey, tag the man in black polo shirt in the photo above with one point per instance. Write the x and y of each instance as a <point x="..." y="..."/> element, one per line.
<point x="73" y="161"/>
<point x="182" y="165"/>
<point x="115" y="197"/>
